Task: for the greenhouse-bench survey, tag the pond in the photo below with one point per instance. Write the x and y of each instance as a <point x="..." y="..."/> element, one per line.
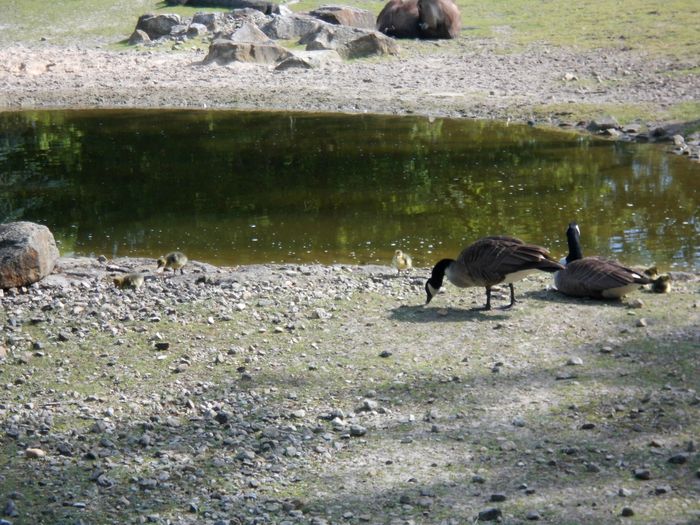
<point x="236" y="188"/>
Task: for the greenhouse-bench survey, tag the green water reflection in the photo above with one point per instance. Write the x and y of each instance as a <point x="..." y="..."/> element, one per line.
<point x="234" y="188"/>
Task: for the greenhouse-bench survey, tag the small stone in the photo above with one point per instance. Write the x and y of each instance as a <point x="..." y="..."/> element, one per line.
<point x="490" y="514"/>
<point x="606" y="350"/>
<point x="574" y="361"/>
<point x="662" y="489"/>
<point x="642" y="473"/>
<point x="533" y="515"/>
<point x="357" y="430"/>
<point x="641" y="322"/>
<point x="495" y="498"/>
<point x="385" y="353"/>
<point x="221" y="417"/>
<point x="592" y="467"/>
<point x="588" y="426"/>
<point x="478" y="479"/>
<point x="679" y="459"/>
<point x="34" y="453"/>
<point x="627" y="512"/>
<point x="162" y="345"/>
<point x="624" y="493"/>
<point x="636" y="303"/>
<point x="518" y="421"/>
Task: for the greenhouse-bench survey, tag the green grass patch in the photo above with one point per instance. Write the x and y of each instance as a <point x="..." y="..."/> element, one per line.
<point x="668" y="28"/>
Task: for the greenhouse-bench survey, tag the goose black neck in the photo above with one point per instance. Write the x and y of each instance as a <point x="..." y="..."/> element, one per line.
<point x="439" y="272"/>
<point x="572" y="238"/>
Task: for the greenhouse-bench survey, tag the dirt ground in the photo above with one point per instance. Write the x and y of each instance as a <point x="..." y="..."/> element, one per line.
<point x="464" y="78"/>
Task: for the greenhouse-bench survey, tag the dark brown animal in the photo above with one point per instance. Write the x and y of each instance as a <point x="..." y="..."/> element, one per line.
<point x="399" y="19"/>
<point x="439" y="19"/>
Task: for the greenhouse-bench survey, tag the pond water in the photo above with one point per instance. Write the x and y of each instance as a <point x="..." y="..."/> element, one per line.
<point x="233" y="188"/>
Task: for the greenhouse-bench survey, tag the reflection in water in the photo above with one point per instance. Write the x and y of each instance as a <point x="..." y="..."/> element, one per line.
<point x="234" y="188"/>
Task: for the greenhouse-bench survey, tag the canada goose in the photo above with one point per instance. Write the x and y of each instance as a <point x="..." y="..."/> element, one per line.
<point x="130" y="280"/>
<point x="594" y="277"/>
<point x="490" y="261"/>
<point x="174" y="260"/>
<point x="401" y="261"/>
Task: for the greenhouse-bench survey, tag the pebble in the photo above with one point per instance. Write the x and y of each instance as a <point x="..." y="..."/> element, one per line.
<point x="641" y="323"/>
<point x="490" y="514"/>
<point x="357" y="430"/>
<point x="533" y="515"/>
<point x="679" y="459"/>
<point x="642" y="473"/>
<point x="574" y="361"/>
<point x="497" y="498"/>
<point x="34" y="453"/>
<point x="627" y="512"/>
<point x="624" y="493"/>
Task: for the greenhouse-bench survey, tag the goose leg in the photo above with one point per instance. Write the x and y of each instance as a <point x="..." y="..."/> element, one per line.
<point x="488" y="298"/>
<point x="512" y="296"/>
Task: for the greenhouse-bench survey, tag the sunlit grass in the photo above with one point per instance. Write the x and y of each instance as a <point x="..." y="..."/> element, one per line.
<point x="663" y="28"/>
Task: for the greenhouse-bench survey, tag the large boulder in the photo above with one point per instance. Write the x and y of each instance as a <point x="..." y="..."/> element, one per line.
<point x="139" y="37"/>
<point x="368" y="45"/>
<point x="249" y="33"/>
<point x="224" y="51"/>
<point x="212" y="21"/>
<point x="345" y="16"/>
<point x="349" y="42"/>
<point x="28" y="253"/>
<point x="290" y="27"/>
<point x="156" y="26"/>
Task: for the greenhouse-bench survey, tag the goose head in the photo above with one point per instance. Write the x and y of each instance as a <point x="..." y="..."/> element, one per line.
<point x="433" y="285"/>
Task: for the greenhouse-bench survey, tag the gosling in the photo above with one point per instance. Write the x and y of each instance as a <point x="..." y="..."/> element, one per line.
<point x="174" y="260"/>
<point x="401" y="261"/>
<point x="133" y="281"/>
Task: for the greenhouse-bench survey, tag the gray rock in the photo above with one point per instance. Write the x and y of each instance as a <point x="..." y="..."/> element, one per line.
<point x="533" y="515"/>
<point x="249" y="33"/>
<point x="195" y="29"/>
<point x="139" y="37"/>
<point x="290" y="27"/>
<point x="156" y="26"/>
<point x="498" y="498"/>
<point x="225" y="51"/>
<point x="490" y="514"/>
<point x="642" y="473"/>
<point x="345" y="16"/>
<point x="369" y="45"/>
<point x="603" y="123"/>
<point x="212" y="21"/>
<point x="28" y="253"/>
<point x="293" y="62"/>
<point x="357" y="430"/>
<point x="627" y="512"/>
<point x="679" y="459"/>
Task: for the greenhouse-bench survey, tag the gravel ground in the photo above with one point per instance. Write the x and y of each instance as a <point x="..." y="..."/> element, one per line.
<point x="463" y="78"/>
<point x="330" y="394"/>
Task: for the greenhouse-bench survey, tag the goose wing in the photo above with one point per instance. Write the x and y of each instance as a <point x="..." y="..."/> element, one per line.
<point x="591" y="276"/>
